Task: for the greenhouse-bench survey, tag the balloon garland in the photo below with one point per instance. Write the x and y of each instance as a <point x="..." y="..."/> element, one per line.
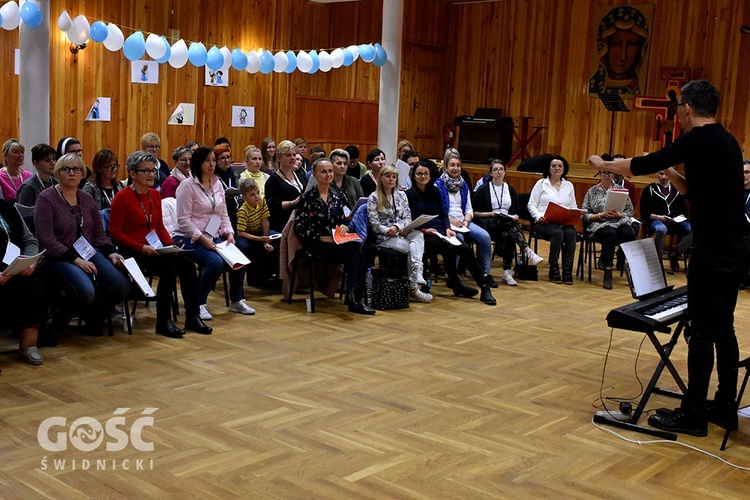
<point x="177" y="55"/>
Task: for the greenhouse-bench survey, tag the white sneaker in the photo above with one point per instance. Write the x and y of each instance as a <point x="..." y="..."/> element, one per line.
<point x="241" y="307"/>
<point x="533" y="258"/>
<point x="204" y="314"/>
<point x="419" y="295"/>
<point x="508" y="278"/>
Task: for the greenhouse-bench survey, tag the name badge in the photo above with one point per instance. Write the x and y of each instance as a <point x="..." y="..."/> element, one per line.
<point x="84" y="248"/>
<point x="212" y="228"/>
<point x="153" y="240"/>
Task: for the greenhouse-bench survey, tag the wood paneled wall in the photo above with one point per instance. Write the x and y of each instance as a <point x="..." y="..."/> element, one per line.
<point x="528" y="57"/>
<point x="531" y="57"/>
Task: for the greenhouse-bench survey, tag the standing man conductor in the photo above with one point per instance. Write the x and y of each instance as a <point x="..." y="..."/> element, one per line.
<point x="713" y="183"/>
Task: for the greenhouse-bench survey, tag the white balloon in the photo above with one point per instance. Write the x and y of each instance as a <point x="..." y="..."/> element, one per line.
<point x="280" y="62"/>
<point x="227" y="58"/>
<point x="304" y="61"/>
<point x="354" y="49"/>
<point x="326" y="62"/>
<point x="115" y="39"/>
<point x="64" y="22"/>
<point x="11" y="15"/>
<point x="253" y="62"/>
<point x="179" y="57"/>
<point x="337" y="56"/>
<point x="80" y="30"/>
<point x="155" y="47"/>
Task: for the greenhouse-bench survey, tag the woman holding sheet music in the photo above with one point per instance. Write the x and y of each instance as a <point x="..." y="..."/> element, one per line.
<point x="136" y="225"/>
<point x="78" y="254"/>
<point x="555" y="188"/>
<point x="202" y="223"/>
<point x="607" y="226"/>
<point x="424" y="199"/>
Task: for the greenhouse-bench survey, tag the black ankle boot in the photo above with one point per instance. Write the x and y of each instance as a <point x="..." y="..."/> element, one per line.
<point x="486" y="296"/>
<point x="723" y="413"/>
<point x="461" y="290"/>
<point x="196" y="324"/>
<point x="358" y="305"/>
<point x="607" y="281"/>
<point x="169" y="329"/>
<point x="554" y="273"/>
<point x="682" y="420"/>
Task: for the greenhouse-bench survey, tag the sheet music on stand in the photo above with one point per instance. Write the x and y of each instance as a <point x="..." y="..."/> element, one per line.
<point x="646" y="276"/>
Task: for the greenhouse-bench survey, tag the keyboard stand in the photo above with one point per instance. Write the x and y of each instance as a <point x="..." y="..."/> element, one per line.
<point x="664" y="351"/>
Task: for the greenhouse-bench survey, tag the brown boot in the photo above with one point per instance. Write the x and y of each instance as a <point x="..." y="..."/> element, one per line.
<point x="607" y="284"/>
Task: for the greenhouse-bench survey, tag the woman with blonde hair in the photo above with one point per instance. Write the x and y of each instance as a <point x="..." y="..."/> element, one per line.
<point x="388" y="212"/>
<point x="12" y="175"/>
<point x="253" y="164"/>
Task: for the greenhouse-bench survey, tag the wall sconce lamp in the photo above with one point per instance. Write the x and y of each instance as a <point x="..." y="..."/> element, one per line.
<point x="75" y="48"/>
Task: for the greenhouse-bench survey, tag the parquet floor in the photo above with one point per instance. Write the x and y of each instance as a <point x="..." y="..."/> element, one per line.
<point x="452" y="399"/>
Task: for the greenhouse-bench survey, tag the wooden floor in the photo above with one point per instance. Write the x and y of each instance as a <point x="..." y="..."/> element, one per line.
<point x="452" y="399"/>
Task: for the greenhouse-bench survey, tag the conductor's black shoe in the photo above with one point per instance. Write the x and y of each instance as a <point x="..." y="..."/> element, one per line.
<point x="723" y="414"/>
<point x="682" y="421"/>
<point x="169" y="329"/>
<point x="196" y="324"/>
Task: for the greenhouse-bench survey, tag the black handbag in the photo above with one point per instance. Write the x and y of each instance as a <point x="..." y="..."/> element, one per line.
<point x="526" y="272"/>
<point x="391" y="293"/>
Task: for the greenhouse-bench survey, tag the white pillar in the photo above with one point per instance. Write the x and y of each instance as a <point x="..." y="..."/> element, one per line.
<point x="34" y="100"/>
<point x="390" y="78"/>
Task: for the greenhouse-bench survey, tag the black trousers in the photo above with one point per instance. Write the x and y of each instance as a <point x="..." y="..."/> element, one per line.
<point x="349" y="253"/>
<point x="559" y="237"/>
<point x="609" y="237"/>
<point x="450" y="253"/>
<point x="714" y="275"/>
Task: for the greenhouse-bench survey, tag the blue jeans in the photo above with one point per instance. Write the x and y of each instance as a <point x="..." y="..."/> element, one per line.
<point x="660" y="230"/>
<point x="484" y="245"/>
<point x="212" y="265"/>
<point x="80" y="289"/>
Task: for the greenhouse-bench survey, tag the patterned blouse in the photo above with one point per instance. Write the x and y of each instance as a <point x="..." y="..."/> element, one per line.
<point x="315" y="218"/>
<point x="594" y="202"/>
<point x="395" y="212"/>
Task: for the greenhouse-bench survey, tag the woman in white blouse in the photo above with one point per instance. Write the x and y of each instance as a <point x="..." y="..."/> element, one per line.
<point x="555" y="188"/>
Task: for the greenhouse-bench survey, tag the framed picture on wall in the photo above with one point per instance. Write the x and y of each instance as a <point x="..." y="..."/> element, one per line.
<point x="619" y="62"/>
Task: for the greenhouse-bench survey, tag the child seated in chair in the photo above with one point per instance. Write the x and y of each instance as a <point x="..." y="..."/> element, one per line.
<point x="254" y="234"/>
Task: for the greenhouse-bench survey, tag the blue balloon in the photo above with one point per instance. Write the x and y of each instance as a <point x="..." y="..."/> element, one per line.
<point x="167" y="54"/>
<point x="380" y="56"/>
<point x="366" y="52"/>
<point x="197" y="54"/>
<point x="292" y="64"/>
<point x="134" y="46"/>
<point x="348" y="57"/>
<point x="31" y="14"/>
<point x="239" y="60"/>
<point x="267" y="62"/>
<point x="214" y="58"/>
<point x="98" y="31"/>
<point x="316" y="62"/>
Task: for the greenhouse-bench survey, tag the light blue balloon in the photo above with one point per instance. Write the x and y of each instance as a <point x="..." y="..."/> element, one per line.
<point x="348" y="57"/>
<point x="98" y="31"/>
<point x="167" y="54"/>
<point x="267" y="62"/>
<point x="292" y="64"/>
<point x="31" y="14"/>
<point x="380" y="56"/>
<point x="197" y="54"/>
<point x="239" y="60"/>
<point x="134" y="46"/>
<point x="316" y="62"/>
<point x="214" y="58"/>
<point x="366" y="52"/>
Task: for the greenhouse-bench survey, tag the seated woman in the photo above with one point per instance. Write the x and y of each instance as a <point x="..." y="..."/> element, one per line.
<point x="181" y="171"/>
<point x="268" y="152"/>
<point x="43" y="157"/>
<point x="388" y="213"/>
<point x="454" y="192"/>
<point x="253" y="233"/>
<point x="347" y="187"/>
<point x="320" y="210"/>
<point x="202" y="223"/>
<point x="12" y="175"/>
<point x="21" y="296"/>
<point x="253" y="162"/>
<point x="136" y="225"/>
<point x="284" y="187"/>
<point x="103" y="184"/>
<point x="78" y="254"/>
<point x="555" y="188"/>
<point x="369" y="181"/>
<point x="424" y="199"/>
<point x="496" y="209"/>
<point x="608" y="227"/>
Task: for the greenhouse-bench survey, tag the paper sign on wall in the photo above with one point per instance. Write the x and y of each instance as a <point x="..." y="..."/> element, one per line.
<point x="144" y="72"/>
<point x="217" y="78"/>
<point x="100" y="111"/>
<point x="243" y="116"/>
<point x="184" y="114"/>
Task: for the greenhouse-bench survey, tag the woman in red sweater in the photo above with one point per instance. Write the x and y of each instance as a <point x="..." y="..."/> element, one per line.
<point x="136" y="225"/>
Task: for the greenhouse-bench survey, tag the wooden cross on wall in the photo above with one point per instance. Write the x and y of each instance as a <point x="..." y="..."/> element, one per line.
<point x="666" y="126"/>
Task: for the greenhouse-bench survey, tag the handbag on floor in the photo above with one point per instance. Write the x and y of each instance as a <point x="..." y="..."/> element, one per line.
<point x="391" y="293"/>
